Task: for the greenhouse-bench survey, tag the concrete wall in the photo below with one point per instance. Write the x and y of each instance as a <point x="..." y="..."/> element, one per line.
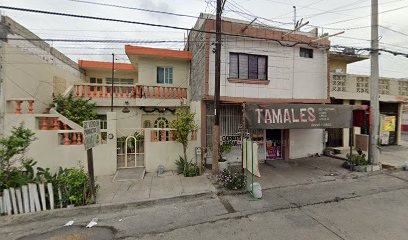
<point x="334" y="65"/>
<point x="290" y="75"/>
<point x="166" y="153"/>
<point x="29" y="72"/>
<point x="47" y="151"/>
<point x="197" y="46"/>
<point x="303" y="142"/>
<point x="147" y="68"/>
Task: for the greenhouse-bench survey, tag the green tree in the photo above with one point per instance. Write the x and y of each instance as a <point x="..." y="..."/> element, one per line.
<point x="15" y="169"/>
<point x="183" y="126"/>
<point x="75" y="109"/>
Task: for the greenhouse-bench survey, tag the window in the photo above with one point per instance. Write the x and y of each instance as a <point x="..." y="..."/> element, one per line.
<point x="306" y="52"/>
<point x="248" y="66"/>
<point x="122" y="81"/>
<point x="165" y="75"/>
<point x="104" y="121"/>
<point x="94" y="80"/>
<point x="161" y="122"/>
<point x="119" y="81"/>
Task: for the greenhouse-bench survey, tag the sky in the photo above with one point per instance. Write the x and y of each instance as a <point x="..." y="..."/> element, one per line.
<point x="330" y="16"/>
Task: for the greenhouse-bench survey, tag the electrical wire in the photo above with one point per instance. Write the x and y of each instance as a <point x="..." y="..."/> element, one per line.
<point x="150" y="24"/>
<point x="352" y="19"/>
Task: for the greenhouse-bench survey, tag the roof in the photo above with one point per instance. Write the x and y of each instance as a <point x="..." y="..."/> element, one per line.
<point x="240" y="28"/>
<point x="158" y="52"/>
<point x="105" y="65"/>
<point x="348" y="58"/>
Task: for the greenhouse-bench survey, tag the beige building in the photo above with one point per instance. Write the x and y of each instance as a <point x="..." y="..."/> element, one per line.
<point x="259" y="65"/>
<point x="146" y="93"/>
<point x="353" y="89"/>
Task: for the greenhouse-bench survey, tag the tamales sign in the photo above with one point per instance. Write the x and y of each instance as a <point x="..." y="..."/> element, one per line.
<point x="287" y="116"/>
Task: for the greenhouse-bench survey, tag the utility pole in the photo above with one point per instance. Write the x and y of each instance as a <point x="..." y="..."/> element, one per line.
<point x="374" y="101"/>
<point x="113" y="77"/>
<point x="294" y="17"/>
<point x="216" y="128"/>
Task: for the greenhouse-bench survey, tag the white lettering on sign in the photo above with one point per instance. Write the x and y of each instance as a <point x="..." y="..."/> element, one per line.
<point x="92" y="133"/>
<point x="231" y="140"/>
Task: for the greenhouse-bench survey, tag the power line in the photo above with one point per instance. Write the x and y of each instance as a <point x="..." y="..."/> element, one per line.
<point x="149" y="24"/>
<point x="136" y="8"/>
<point x="342" y="9"/>
<point x="352" y="19"/>
<point x="392" y="30"/>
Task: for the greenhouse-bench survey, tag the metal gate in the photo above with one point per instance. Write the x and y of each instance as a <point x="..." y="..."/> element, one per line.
<point x="130" y="148"/>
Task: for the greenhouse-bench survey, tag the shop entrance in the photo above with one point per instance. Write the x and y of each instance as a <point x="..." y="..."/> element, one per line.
<point x="274" y="144"/>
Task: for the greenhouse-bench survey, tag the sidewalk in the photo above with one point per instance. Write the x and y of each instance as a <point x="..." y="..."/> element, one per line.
<point x="151" y="187"/>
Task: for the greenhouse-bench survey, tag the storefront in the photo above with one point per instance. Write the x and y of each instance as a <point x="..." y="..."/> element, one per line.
<point x="295" y="130"/>
<point x="284" y="130"/>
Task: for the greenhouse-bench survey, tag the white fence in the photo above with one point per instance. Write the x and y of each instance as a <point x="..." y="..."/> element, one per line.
<point x="28" y="198"/>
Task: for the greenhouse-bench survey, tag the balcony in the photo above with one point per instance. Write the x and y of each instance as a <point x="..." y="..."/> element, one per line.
<point x="131" y="95"/>
<point x="357" y="87"/>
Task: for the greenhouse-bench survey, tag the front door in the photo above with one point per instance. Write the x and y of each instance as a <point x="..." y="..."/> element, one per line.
<point x="274" y="144"/>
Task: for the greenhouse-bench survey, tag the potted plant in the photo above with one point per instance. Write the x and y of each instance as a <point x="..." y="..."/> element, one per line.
<point x="222" y="149"/>
<point x="357" y="162"/>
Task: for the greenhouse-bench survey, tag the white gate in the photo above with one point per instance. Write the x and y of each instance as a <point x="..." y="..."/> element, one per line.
<point x="130" y="148"/>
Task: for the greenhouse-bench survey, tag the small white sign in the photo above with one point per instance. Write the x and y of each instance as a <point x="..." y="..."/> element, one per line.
<point x="92" y="133"/>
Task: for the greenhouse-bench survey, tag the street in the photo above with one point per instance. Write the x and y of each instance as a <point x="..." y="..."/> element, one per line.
<point x="348" y="207"/>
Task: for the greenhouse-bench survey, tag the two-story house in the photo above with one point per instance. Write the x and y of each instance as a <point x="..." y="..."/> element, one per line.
<point x="354" y="89"/>
<point x="259" y="64"/>
<point x="146" y="93"/>
<point x="137" y="132"/>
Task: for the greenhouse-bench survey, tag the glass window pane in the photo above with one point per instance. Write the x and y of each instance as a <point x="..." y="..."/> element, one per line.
<point x="160" y="75"/>
<point x="233" y="65"/>
<point x="253" y="67"/>
<point x="262" y="68"/>
<point x="243" y="66"/>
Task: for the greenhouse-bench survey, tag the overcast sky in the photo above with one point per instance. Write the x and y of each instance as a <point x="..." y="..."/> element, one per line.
<point x="330" y="15"/>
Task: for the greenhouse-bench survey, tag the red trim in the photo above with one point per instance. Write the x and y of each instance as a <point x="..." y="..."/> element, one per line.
<point x="159" y="52"/>
<point x="267" y="100"/>
<point x="105" y="65"/>
<point x="248" y="81"/>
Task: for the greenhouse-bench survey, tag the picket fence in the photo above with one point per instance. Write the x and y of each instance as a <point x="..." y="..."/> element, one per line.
<point x="28" y="198"/>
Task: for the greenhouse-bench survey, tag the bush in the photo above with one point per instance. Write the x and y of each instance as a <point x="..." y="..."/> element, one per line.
<point x="74" y="185"/>
<point x="75" y="109"/>
<point x="232" y="181"/>
<point x="358" y="159"/>
<point x="15" y="169"/>
<point x="188" y="169"/>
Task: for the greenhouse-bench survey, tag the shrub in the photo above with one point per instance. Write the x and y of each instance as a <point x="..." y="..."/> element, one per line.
<point x="232" y="181"/>
<point x="183" y="126"/>
<point x="75" y="109"/>
<point x="358" y="159"/>
<point x="74" y="185"/>
<point x="15" y="169"/>
<point x="188" y="169"/>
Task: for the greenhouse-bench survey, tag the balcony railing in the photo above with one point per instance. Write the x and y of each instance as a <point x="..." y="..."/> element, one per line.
<point x="129" y="91"/>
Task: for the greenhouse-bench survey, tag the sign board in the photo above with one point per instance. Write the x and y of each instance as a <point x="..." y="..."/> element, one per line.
<point x="92" y="133"/>
<point x="289" y="116"/>
<point x="388" y="124"/>
<point x="233" y="140"/>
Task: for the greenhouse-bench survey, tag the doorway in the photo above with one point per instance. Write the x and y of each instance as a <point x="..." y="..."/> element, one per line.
<point x="274" y="144"/>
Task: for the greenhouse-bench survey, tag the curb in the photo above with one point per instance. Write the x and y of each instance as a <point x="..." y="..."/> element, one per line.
<point x="99" y="208"/>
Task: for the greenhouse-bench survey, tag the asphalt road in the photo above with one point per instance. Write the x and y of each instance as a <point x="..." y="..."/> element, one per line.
<point x="365" y="207"/>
